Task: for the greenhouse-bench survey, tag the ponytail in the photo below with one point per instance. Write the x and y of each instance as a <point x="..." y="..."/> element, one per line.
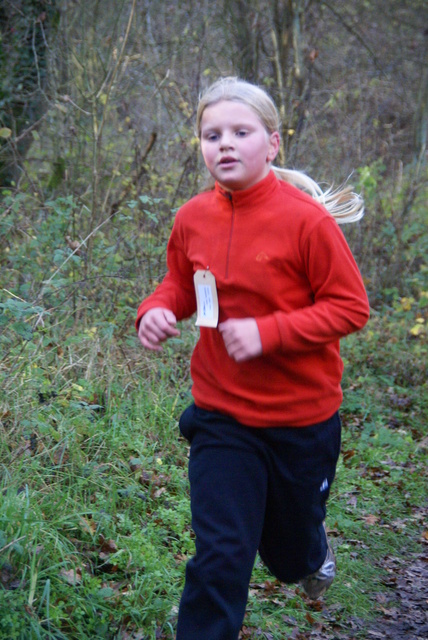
<point x="342" y="203"/>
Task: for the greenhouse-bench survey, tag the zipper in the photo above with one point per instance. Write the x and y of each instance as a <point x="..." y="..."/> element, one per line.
<point x="232" y="224"/>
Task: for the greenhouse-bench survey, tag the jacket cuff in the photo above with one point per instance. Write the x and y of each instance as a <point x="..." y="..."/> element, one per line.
<point x="269" y="333"/>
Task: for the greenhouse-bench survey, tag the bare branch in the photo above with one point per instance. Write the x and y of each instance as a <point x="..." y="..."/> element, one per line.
<point x="355" y="33"/>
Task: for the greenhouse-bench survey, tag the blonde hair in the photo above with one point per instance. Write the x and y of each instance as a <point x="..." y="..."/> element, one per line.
<point x="342" y="203"/>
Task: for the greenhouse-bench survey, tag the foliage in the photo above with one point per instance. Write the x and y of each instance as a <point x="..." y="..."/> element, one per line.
<point x="391" y="242"/>
<point x="94" y="518"/>
<point x="120" y="85"/>
<point x="48" y="268"/>
<point x="94" y="512"/>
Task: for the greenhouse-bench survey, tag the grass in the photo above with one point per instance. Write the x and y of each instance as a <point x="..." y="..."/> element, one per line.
<point x="94" y="511"/>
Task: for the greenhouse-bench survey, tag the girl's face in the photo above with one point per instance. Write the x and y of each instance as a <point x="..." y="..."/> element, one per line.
<point x="237" y="149"/>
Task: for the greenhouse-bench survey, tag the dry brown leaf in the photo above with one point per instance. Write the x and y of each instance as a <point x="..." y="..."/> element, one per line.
<point x="72" y="576"/>
<point x="371" y="519"/>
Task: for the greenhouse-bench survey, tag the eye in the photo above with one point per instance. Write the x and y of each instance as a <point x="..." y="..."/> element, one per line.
<point x="211" y="136"/>
<point x="242" y="133"/>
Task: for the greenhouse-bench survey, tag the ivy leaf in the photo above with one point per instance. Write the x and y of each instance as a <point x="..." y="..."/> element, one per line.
<point x="23" y="330"/>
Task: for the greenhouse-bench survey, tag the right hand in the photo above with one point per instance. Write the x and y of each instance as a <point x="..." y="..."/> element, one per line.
<point x="156" y="326"/>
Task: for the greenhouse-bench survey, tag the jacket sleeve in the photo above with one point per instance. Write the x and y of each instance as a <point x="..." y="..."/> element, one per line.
<point x="340" y="305"/>
<point x="176" y="291"/>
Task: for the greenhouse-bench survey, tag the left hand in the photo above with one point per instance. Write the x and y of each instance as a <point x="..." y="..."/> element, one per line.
<point x="241" y="338"/>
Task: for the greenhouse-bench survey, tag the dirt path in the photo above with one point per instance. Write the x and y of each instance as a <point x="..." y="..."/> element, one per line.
<point x="405" y="615"/>
<point x="403" y="610"/>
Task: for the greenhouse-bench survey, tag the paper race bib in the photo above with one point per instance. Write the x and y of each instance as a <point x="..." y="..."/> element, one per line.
<point x="206" y="299"/>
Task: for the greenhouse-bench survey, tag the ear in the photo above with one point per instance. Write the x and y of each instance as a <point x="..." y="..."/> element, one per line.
<point x="274" y="142"/>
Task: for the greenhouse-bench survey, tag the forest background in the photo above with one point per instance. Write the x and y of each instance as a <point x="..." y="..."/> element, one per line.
<point x="97" y="152"/>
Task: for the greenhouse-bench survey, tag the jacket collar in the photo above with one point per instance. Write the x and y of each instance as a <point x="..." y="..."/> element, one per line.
<point x="254" y="196"/>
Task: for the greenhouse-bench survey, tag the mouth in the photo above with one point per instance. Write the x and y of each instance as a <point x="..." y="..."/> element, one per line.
<point x="227" y="160"/>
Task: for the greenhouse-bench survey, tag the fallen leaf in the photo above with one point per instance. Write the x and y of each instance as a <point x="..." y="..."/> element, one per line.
<point x="371" y="519"/>
<point x="88" y="525"/>
<point x="107" y="546"/>
<point x="310" y="618"/>
<point x="72" y="576"/>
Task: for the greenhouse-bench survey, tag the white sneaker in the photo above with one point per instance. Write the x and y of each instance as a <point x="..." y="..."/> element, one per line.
<point x="317" y="583"/>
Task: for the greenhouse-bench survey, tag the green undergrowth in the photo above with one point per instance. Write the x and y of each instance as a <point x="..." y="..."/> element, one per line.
<point x="94" y="507"/>
<point x="94" y="499"/>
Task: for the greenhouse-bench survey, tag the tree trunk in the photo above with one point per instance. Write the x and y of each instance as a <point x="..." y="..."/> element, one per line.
<point x="25" y="27"/>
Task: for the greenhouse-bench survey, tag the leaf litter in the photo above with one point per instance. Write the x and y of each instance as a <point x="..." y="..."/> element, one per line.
<point x="402" y="611"/>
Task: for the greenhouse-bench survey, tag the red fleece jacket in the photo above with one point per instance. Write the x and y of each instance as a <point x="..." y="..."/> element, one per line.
<point x="280" y="257"/>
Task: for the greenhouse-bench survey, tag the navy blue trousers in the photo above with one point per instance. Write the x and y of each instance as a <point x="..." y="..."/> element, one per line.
<point x="251" y="489"/>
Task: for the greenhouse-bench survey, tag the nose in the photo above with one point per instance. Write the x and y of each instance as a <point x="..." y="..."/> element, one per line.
<point x="226" y="141"/>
